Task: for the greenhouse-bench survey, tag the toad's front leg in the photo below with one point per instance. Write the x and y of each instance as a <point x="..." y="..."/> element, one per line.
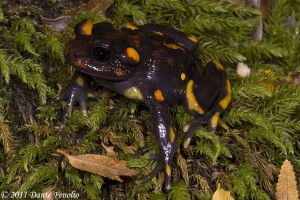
<point x="77" y="91"/>
<point x="165" y="137"/>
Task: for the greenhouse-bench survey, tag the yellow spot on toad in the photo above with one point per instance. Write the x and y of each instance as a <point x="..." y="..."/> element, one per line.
<point x="80" y="81"/>
<point x="186" y="128"/>
<point x="191" y="98"/>
<point x="168" y="170"/>
<point x="218" y="65"/>
<point x="173" y="46"/>
<point x="183" y="76"/>
<point x="87" y="27"/>
<point x="172" y="135"/>
<point x="214" y="120"/>
<point x="192" y="38"/>
<point x="133" y="93"/>
<point x="225" y="101"/>
<point x="186" y="143"/>
<point x="131" y="26"/>
<point x="119" y="72"/>
<point x="158" y="33"/>
<point x="133" y="54"/>
<point x="159" y="96"/>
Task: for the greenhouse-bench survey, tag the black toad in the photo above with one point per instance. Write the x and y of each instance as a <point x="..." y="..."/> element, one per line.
<point x="152" y="64"/>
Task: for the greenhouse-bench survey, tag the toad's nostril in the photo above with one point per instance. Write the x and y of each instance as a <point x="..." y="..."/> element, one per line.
<point x="76" y="54"/>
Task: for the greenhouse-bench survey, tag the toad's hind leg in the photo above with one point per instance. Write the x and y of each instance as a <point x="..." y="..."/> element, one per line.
<point x="207" y="99"/>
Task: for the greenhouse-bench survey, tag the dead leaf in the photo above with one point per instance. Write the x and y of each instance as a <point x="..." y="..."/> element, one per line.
<point x="222" y="194"/>
<point x="58" y="24"/>
<point x="101" y="165"/>
<point x="286" y="188"/>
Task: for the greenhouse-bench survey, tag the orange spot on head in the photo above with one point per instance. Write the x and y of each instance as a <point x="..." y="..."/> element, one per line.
<point x="133" y="54"/>
<point x="119" y="72"/>
<point x="158" y="96"/>
<point x="79" y="63"/>
<point x="87" y="27"/>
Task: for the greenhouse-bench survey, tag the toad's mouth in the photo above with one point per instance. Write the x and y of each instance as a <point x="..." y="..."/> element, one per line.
<point x="92" y="68"/>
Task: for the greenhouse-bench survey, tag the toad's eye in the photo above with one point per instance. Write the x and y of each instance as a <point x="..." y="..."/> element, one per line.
<point x="101" y="54"/>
